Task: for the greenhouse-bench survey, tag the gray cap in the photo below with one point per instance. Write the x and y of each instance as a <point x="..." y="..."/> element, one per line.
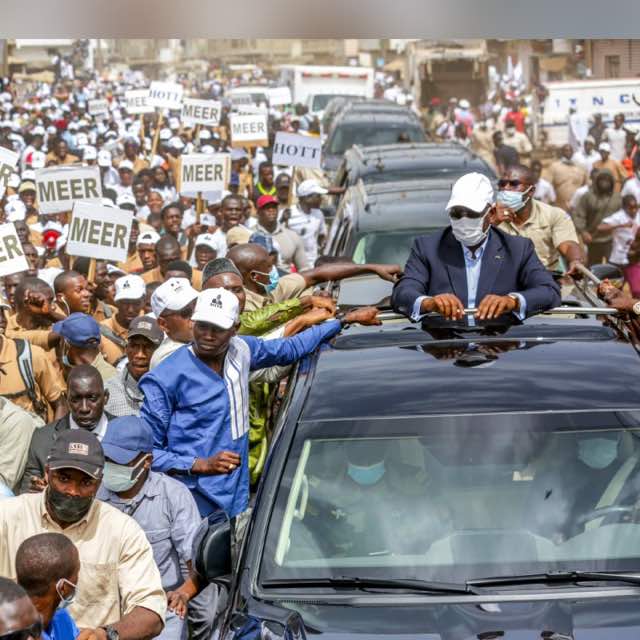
<point x="219" y="265"/>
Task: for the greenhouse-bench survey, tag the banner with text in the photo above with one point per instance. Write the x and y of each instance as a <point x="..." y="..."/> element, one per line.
<point x="12" y="258"/>
<point x="206" y="112"/>
<point x="249" y="130"/>
<point x="59" y="187"/>
<point x="204" y="172"/>
<point x="165" y="95"/>
<point x="98" y="107"/>
<point x="294" y="150"/>
<point x="138" y="102"/>
<point x="8" y="162"/>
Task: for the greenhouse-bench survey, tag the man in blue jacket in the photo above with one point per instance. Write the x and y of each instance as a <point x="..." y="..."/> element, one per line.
<point x="197" y="399"/>
<point x="471" y="264"/>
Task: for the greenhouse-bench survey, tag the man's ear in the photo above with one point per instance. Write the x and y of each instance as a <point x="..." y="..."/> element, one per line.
<point x="106" y="396"/>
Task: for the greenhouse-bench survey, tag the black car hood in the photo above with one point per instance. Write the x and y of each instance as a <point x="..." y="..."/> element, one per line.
<point x="571" y="619"/>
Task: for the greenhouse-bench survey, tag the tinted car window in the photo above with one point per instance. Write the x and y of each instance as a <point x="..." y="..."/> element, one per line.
<point x="387" y="247"/>
<point x="367" y="135"/>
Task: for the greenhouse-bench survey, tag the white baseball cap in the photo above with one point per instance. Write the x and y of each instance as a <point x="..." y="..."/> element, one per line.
<point x="15" y="210"/>
<point x="165" y="134"/>
<point x="176" y="143"/>
<point x="218" y="307"/>
<point x="205" y="134"/>
<point x="125" y="198"/>
<point x="472" y="191"/>
<point x="208" y="219"/>
<point x="28" y="174"/>
<point x="125" y="164"/>
<point x="464" y="104"/>
<point x="82" y="139"/>
<point x="309" y="188"/>
<point x="14" y="181"/>
<point x="605" y="146"/>
<point x="129" y="287"/>
<point x="212" y="241"/>
<point x="89" y="153"/>
<point x="104" y="158"/>
<point x="38" y="131"/>
<point x="173" y="295"/>
<point x="174" y="123"/>
<point x="148" y="237"/>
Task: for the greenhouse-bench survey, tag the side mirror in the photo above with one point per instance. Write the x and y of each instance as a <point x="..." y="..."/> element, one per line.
<point x="606" y="271"/>
<point x="213" y="556"/>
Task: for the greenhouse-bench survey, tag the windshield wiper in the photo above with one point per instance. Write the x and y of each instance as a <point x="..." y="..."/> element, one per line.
<point x="554" y="577"/>
<point x="370" y="583"/>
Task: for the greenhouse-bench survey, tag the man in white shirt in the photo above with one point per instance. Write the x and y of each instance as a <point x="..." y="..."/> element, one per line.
<point x="588" y="155"/>
<point x="516" y="139"/>
<point x="616" y="136"/>
<point x="624" y="225"/>
<point x="306" y="218"/>
<point x="544" y="189"/>
<point x="632" y="185"/>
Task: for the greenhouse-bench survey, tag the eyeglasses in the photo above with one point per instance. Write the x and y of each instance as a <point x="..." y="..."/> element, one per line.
<point x="34" y="631"/>
<point x="509" y="183"/>
<point x="460" y="212"/>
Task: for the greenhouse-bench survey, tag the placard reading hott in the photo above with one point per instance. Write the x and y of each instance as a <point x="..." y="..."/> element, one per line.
<point x="59" y="187"/>
<point x="206" y="112"/>
<point x="249" y="130"/>
<point x="97" y="231"/>
<point x="165" y="95"/>
<point x="138" y="102"/>
<point x="294" y="150"/>
<point x="12" y="258"/>
<point x="204" y="172"/>
<point x="8" y="162"/>
<point x="99" y="106"/>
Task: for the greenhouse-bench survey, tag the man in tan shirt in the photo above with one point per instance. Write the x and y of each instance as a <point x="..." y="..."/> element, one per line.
<point x="617" y="170"/>
<point x="119" y="584"/>
<point x="566" y="176"/>
<point x="167" y="251"/>
<point x="60" y="154"/>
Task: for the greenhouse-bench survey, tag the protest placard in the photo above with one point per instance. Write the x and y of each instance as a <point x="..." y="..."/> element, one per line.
<point x="280" y="96"/>
<point x="8" y="162"/>
<point x="97" y="231"/>
<point x="165" y="95"/>
<point x="137" y="102"/>
<point x="249" y="130"/>
<point x="294" y="150"/>
<point x="204" y="172"/>
<point x="98" y="107"/>
<point x="205" y="112"/>
<point x="12" y="259"/>
<point x="59" y="187"/>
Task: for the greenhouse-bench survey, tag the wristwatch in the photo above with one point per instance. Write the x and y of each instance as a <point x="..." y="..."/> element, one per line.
<point x="636" y="308"/>
<point x="341" y="318"/>
<point x="515" y="298"/>
<point x="112" y="632"/>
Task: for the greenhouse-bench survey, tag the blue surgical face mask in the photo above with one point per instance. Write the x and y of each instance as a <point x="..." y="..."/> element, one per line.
<point x="513" y="200"/>
<point x="274" y="278"/>
<point x="65" y="601"/>
<point x="366" y="476"/>
<point x="119" y="477"/>
<point x="598" y="453"/>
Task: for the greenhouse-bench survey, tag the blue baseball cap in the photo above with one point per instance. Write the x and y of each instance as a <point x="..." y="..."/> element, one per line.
<point x="264" y="241"/>
<point x="79" y="329"/>
<point x="126" y="438"/>
<point x="234" y="179"/>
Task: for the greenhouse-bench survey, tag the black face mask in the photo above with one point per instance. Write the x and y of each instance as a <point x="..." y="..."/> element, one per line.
<point x="67" y="508"/>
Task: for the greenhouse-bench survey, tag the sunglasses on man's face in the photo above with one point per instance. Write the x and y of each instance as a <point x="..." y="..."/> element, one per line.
<point x="509" y="183"/>
<point x="34" y="632"/>
<point x="460" y="212"/>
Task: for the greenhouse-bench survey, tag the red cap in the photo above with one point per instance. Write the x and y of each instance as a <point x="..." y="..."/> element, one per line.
<point x="263" y="201"/>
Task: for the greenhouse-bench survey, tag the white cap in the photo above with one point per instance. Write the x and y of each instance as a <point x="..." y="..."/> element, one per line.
<point x="72" y="126"/>
<point x="148" y="237"/>
<point x="15" y="210"/>
<point x="82" y="139"/>
<point x="174" y="123"/>
<point x="176" y="143"/>
<point x="205" y="134"/>
<point x="212" y="241"/>
<point x="38" y="159"/>
<point x="208" y="219"/>
<point x="207" y="148"/>
<point x="472" y="191"/>
<point x="108" y="202"/>
<point x="38" y="131"/>
<point x="605" y="146"/>
<point x="14" y="181"/>
<point x="464" y="104"/>
<point x="129" y="287"/>
<point x="174" y="294"/>
<point x="29" y="175"/>
<point x="125" y="164"/>
<point x="165" y="134"/>
<point x="104" y="158"/>
<point x="125" y="198"/>
<point x="309" y="188"/>
<point x="218" y="307"/>
<point x="89" y="153"/>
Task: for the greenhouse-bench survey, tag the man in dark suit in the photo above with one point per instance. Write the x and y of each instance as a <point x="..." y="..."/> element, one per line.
<point x="474" y="265"/>
<point x="86" y="398"/>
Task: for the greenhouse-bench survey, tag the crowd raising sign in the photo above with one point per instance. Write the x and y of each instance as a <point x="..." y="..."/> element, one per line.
<point x="98" y="107"/>
<point x="59" y="187"/>
<point x="249" y="130"/>
<point x="12" y="258"/>
<point x="165" y="95"/>
<point x="8" y="162"/>
<point x="138" y="102"/>
<point x="205" y="112"/>
<point x="204" y="172"/>
<point x="294" y="150"/>
<point x="99" y="231"/>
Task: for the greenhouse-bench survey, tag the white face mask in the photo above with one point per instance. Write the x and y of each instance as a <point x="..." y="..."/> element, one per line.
<point x="469" y="231"/>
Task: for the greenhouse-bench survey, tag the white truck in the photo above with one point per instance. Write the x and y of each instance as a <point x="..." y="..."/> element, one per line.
<point x="588" y="97"/>
<point x="314" y="86"/>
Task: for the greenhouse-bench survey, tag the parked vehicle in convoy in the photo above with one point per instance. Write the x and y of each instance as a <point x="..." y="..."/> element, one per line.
<point x="367" y="126"/>
<point x="249" y="95"/>
<point x="463" y="482"/>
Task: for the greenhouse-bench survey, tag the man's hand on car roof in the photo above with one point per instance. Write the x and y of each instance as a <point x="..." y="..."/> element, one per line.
<point x="614" y="297"/>
<point x="390" y="272"/>
<point x="366" y="316"/>
<point x="446" y="304"/>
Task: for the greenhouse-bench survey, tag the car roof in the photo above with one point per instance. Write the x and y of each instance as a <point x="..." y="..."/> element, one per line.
<point x="401" y="370"/>
<point x="378" y="117"/>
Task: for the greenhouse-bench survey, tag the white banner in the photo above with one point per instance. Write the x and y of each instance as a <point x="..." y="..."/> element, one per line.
<point x="249" y="131"/>
<point x="165" y="95"/>
<point x="99" y="232"/>
<point x="12" y="258"/>
<point x="205" y="172"/>
<point x="138" y="102"/>
<point x="280" y="96"/>
<point x="99" y="106"/>
<point x="59" y="187"/>
<point x="8" y="162"/>
<point x="294" y="150"/>
<point x="206" y="112"/>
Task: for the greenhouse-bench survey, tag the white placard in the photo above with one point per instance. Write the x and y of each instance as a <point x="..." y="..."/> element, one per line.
<point x="99" y="232"/>
<point x="204" y="172"/>
<point x="58" y="188"/>
<point x="8" y="162"/>
<point x="249" y="130"/>
<point x="206" y="112"/>
<point x="12" y="258"/>
<point x="279" y="96"/>
<point x="98" y="107"/>
<point x="294" y="150"/>
<point x="165" y="95"/>
<point x="138" y="102"/>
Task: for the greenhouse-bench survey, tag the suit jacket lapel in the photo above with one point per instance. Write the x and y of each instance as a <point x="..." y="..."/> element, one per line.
<point x="453" y="259"/>
<point x="492" y="261"/>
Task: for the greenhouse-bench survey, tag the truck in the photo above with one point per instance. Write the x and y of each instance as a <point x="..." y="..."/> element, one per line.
<point x="587" y="97"/>
<point x="315" y="86"/>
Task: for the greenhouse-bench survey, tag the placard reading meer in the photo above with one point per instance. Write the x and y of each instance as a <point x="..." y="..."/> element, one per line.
<point x="165" y="95"/>
<point x="249" y="131"/>
<point x="12" y="258"/>
<point x="99" y="106"/>
<point x="97" y="231"/>
<point x="8" y="162"/>
<point x="59" y="187"/>
<point x="205" y="112"/>
<point x="297" y="151"/>
<point x="137" y="102"/>
<point x="204" y="172"/>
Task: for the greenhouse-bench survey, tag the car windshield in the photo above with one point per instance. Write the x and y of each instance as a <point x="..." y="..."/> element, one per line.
<point x="320" y="101"/>
<point x="370" y="134"/>
<point x="458" y="497"/>
<point x="419" y="173"/>
<point x="387" y="247"/>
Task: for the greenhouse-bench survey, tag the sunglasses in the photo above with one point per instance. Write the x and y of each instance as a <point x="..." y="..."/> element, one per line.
<point x="460" y="212"/>
<point x="34" y="631"/>
<point x="509" y="183"/>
